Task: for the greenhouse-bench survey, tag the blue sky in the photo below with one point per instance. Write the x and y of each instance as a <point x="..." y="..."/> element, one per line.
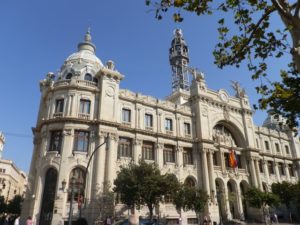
<point x="38" y="35"/>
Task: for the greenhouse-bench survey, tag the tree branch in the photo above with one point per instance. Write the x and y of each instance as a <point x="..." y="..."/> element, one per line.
<point x="296" y="14"/>
<point x="264" y="16"/>
<point x="282" y="11"/>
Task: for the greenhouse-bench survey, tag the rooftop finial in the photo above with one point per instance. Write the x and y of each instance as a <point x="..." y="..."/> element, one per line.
<point x="87" y="36"/>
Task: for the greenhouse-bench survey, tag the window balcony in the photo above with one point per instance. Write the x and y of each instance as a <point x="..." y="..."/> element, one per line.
<point x="149" y="128"/>
<point x="84" y="116"/>
<point x="169" y="132"/>
<point x="58" y="115"/>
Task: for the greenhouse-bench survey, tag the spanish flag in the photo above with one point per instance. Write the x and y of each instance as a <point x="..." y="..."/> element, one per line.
<point x="233" y="162"/>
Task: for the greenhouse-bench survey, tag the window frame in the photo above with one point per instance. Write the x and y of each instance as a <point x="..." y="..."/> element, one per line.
<point x="84" y="138"/>
<point x="83" y="105"/>
<point x="267" y="145"/>
<point x="148" y="150"/>
<point x="53" y="135"/>
<point x="59" y="105"/>
<point x="187" y="155"/>
<point x="169" y="154"/>
<point x="187" y="128"/>
<point x="168" y="124"/>
<point x="148" y="120"/>
<point x="126" y="115"/>
<point x="125" y="147"/>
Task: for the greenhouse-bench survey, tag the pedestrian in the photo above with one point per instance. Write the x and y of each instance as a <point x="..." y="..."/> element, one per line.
<point x="6" y="220"/>
<point x="275" y="218"/>
<point x="205" y="220"/>
<point x="108" y="220"/>
<point x="29" y="221"/>
<point x="17" y="220"/>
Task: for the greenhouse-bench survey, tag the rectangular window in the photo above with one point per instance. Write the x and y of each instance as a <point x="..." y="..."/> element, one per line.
<point x="55" y="141"/>
<point x="85" y="106"/>
<point x="59" y="105"/>
<point x="168" y="124"/>
<point x="187" y="129"/>
<point x="270" y="167"/>
<point x="239" y="161"/>
<point x="257" y="145"/>
<point x="281" y="169"/>
<point x="287" y="151"/>
<point x="169" y="153"/>
<point x="215" y="159"/>
<point x="125" y="147"/>
<point x="81" y="141"/>
<point x="187" y="156"/>
<point x="291" y="170"/>
<point x="267" y="145"/>
<point x="148" y="120"/>
<point x="148" y="150"/>
<point x="126" y="115"/>
<point x="169" y="199"/>
<point x="277" y="147"/>
<point x="260" y="164"/>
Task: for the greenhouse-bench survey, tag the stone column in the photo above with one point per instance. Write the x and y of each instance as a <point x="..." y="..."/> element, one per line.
<point x="223" y="166"/>
<point x="205" y="174"/>
<point x="159" y="154"/>
<point x="239" y="201"/>
<point x="137" y="150"/>
<point x="287" y="172"/>
<point x="99" y="161"/>
<point x="253" y="172"/>
<point x="211" y="172"/>
<point x="179" y="160"/>
<point x="111" y="157"/>
<point x="258" y="174"/>
<point x="277" y="171"/>
<point x="266" y="170"/>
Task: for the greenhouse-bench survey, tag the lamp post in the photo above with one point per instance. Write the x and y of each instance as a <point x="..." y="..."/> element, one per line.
<point x="106" y="141"/>
<point x="71" y="190"/>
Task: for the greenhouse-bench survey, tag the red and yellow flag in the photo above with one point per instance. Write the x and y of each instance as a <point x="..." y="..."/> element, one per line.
<point x="233" y="162"/>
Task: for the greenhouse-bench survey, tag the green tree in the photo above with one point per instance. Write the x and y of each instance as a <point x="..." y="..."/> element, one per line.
<point x="190" y="198"/>
<point x="257" y="198"/>
<point x="143" y="184"/>
<point x="285" y="191"/>
<point x="15" y="205"/>
<point x="252" y="39"/>
<point x="3" y="205"/>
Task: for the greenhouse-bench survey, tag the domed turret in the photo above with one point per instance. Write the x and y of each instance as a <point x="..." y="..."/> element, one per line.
<point x="274" y="121"/>
<point x="179" y="59"/>
<point x="83" y="64"/>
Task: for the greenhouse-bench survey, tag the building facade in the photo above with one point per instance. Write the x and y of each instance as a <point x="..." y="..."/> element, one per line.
<point x="12" y="180"/>
<point x="190" y="134"/>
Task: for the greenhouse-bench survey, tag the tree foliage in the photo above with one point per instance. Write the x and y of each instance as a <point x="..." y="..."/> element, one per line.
<point x="190" y="198"/>
<point x="14" y="206"/>
<point x="143" y="184"/>
<point x="285" y="191"/>
<point x="3" y="205"/>
<point x="257" y="198"/>
<point x="254" y="41"/>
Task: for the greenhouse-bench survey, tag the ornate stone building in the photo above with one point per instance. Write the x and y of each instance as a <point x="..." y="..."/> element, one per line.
<point x="189" y="134"/>
<point x="12" y="180"/>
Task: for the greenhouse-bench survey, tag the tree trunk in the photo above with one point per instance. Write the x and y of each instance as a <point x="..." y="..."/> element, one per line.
<point x="150" y="207"/>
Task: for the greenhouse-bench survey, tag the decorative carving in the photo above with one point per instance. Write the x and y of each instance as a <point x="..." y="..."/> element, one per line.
<point x="240" y="92"/>
<point x="138" y="141"/>
<point x="226" y="113"/>
<point x="67" y="132"/>
<point x="110" y="90"/>
<point x="160" y="145"/>
<point x="223" y="136"/>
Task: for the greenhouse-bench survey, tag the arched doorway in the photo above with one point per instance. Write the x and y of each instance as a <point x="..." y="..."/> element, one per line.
<point x="48" y="197"/>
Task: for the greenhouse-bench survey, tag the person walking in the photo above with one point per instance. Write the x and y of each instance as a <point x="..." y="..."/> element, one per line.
<point x="17" y="220"/>
<point x="29" y="221"/>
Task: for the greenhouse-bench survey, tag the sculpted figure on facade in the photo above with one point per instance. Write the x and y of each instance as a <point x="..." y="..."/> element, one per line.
<point x="239" y="91"/>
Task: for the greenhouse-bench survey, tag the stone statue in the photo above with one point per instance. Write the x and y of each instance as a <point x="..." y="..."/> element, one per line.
<point x="239" y="91"/>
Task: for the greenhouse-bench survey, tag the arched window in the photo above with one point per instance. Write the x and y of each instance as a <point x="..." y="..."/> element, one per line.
<point x="48" y="197"/>
<point x="189" y="182"/>
<point x="76" y="183"/>
<point x="69" y="76"/>
<point x="88" y="77"/>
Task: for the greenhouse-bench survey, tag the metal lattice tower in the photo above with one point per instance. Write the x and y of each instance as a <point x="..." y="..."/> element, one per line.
<point x="179" y="59"/>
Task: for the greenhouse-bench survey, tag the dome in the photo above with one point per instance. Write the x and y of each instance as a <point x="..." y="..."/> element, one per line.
<point x="83" y="62"/>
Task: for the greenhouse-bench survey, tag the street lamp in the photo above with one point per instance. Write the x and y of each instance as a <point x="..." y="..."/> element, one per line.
<point x="106" y="141"/>
<point x="71" y="190"/>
